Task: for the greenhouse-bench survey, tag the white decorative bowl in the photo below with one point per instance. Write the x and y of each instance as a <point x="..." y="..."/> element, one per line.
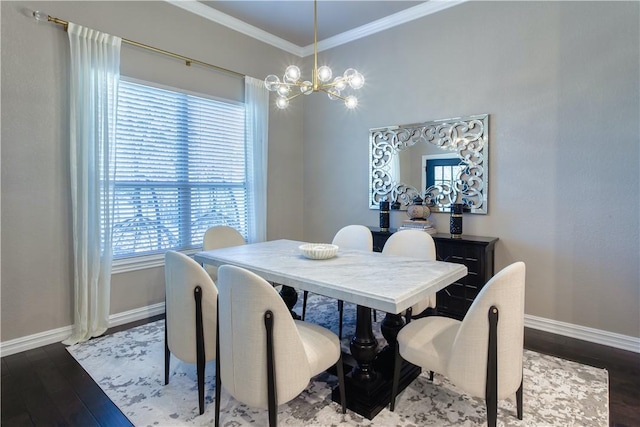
<point x="318" y="250"/>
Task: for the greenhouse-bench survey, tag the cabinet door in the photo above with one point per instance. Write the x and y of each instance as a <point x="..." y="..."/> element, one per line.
<point x="456" y="298"/>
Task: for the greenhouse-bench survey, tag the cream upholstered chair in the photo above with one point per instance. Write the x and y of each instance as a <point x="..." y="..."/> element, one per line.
<point x="482" y="354"/>
<point x="414" y="244"/>
<point x="220" y="236"/>
<point x="190" y="324"/>
<point x="348" y="237"/>
<point x="354" y="237"/>
<point x="265" y="357"/>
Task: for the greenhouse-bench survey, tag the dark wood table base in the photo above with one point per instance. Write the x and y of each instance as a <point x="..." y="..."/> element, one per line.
<point x="290" y="298"/>
<point x="368" y="398"/>
<point x="368" y="383"/>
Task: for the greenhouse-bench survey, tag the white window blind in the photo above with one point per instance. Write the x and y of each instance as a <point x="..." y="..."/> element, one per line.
<point x="180" y="168"/>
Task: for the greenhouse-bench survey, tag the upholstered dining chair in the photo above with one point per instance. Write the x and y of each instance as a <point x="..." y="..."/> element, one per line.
<point x="220" y="236"/>
<point x="265" y="357"/>
<point x="190" y="322"/>
<point x="348" y="237"/>
<point x="482" y="354"/>
<point x="414" y="244"/>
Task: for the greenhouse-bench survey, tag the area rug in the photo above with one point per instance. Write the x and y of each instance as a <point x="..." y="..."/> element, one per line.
<point x="129" y="367"/>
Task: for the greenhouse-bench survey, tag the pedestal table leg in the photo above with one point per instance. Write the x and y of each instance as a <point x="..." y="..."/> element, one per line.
<point x="364" y="346"/>
<point x="290" y="297"/>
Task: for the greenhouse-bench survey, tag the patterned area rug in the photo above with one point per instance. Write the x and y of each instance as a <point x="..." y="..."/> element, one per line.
<point x="129" y="367"/>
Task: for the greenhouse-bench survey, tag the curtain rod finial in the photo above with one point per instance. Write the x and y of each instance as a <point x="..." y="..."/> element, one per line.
<point x="40" y="16"/>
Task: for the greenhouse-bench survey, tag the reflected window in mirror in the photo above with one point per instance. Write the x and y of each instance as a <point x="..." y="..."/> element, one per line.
<point x="440" y="170"/>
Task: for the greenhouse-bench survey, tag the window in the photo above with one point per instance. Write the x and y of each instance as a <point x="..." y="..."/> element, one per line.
<point x="180" y="168"/>
<point x="440" y="171"/>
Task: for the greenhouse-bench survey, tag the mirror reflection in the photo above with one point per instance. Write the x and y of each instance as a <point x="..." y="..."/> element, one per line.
<point x="442" y="161"/>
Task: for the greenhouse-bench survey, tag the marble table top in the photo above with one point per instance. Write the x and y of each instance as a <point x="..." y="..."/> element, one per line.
<point x="383" y="282"/>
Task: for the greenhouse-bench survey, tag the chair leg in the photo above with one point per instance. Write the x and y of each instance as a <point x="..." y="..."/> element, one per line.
<point x="397" y="364"/>
<point x="375" y="316"/>
<point x="271" y="378"/>
<point x="430" y="375"/>
<point x="218" y="379"/>
<point x="343" y="394"/>
<point x="519" y="401"/>
<point x="491" y="392"/>
<point x="340" y="311"/>
<point x="305" y="294"/>
<point x="167" y="353"/>
<point x="200" y="356"/>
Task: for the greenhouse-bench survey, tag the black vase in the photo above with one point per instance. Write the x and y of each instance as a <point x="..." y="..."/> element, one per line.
<point x="384" y="216"/>
<point x="455" y="223"/>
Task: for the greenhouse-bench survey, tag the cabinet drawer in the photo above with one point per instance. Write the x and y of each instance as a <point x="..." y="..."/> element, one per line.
<point x="476" y="253"/>
<point x="472" y="262"/>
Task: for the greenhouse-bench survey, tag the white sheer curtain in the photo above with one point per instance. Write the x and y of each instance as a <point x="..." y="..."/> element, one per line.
<point x="257" y="129"/>
<point x="94" y="76"/>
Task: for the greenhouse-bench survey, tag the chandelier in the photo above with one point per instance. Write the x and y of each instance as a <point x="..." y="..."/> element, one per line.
<point x="291" y="86"/>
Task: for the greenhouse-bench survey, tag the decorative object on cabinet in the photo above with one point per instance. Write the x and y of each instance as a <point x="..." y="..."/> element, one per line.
<point x="476" y="252"/>
<point x="455" y="221"/>
<point x="393" y="177"/>
<point x="419" y="224"/>
<point x="384" y="215"/>
<point x="417" y="210"/>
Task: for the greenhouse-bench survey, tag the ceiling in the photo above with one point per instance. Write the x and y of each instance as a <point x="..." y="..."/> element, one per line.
<point x="289" y="24"/>
<point x="293" y="20"/>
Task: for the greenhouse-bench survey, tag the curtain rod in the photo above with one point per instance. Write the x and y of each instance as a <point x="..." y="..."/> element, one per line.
<point x="40" y="16"/>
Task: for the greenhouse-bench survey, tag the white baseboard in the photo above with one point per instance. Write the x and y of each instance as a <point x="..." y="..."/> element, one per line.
<point x="56" y="335"/>
<point x="597" y="336"/>
<point x="584" y="333"/>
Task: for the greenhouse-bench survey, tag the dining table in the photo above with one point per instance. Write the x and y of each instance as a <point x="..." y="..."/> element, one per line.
<point x="371" y="280"/>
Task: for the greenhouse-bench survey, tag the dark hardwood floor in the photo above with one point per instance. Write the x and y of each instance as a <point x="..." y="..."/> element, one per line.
<point x="46" y="386"/>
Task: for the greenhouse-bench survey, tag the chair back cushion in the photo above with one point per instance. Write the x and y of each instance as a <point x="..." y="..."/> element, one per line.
<point x="220" y="236"/>
<point x="244" y="298"/>
<point x="411" y="243"/>
<point x="414" y="244"/>
<point x="182" y="275"/>
<point x="354" y="237"/>
<point x="467" y="366"/>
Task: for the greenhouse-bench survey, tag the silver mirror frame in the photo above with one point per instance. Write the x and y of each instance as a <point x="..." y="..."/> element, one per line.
<point x="467" y="136"/>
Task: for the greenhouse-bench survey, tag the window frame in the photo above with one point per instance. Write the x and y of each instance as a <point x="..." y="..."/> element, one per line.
<point x="146" y="261"/>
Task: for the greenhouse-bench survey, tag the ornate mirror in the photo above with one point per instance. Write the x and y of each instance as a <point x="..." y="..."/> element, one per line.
<point x="399" y="165"/>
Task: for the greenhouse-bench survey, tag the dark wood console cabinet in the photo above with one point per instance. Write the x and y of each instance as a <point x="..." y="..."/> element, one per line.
<point x="476" y="252"/>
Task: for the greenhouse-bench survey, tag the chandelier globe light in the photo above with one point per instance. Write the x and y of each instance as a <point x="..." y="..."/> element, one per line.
<point x="291" y="86"/>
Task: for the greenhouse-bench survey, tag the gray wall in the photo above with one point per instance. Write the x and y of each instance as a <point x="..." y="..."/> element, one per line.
<point x="560" y="81"/>
<point x="37" y="283"/>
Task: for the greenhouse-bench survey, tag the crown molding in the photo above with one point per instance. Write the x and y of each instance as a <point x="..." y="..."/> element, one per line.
<point x="385" y="23"/>
<point x="237" y="25"/>
<point x="402" y="17"/>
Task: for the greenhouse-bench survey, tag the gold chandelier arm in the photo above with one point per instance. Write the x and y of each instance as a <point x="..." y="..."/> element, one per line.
<point x="294" y="96"/>
<point x="330" y="84"/>
<point x="292" y="84"/>
<point x="332" y="94"/>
